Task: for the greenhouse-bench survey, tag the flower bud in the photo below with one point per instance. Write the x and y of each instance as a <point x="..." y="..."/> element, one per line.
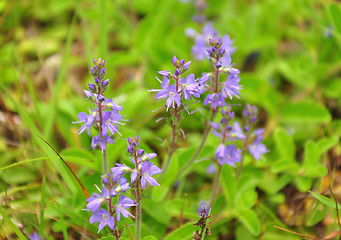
<point x="105" y="83"/>
<point x="92" y="86"/>
<point x="177" y="71"/>
<point x="100" y="98"/>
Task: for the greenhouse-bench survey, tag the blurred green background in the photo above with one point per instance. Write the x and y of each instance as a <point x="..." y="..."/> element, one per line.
<point x="290" y="61"/>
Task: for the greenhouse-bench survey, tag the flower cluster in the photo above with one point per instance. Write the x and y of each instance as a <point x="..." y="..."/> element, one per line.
<point x="112" y="187"/>
<point x="227" y="153"/>
<point x="144" y="169"/>
<point x="201" y="41"/>
<point x="252" y="140"/>
<point x="183" y="87"/>
<point x="105" y="116"/>
<point x="222" y="61"/>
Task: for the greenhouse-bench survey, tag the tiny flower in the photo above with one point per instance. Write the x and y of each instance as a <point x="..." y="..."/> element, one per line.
<point x="231" y="87"/>
<point x="92" y="86"/>
<point x="186" y="65"/>
<point x="101" y="140"/>
<point x="88" y="94"/>
<point x="148" y="170"/>
<point x="190" y="87"/>
<point x="215" y="99"/>
<point x="87" y="119"/>
<point x="229" y="154"/>
<point x="173" y="97"/>
<point x="34" y="236"/>
<point x="203" y="207"/>
<point x="96" y="200"/>
<point x="110" y="121"/>
<point x="119" y="170"/>
<point x="104" y="218"/>
<point x="164" y="73"/>
<point x="105" y="83"/>
<point x="121" y="206"/>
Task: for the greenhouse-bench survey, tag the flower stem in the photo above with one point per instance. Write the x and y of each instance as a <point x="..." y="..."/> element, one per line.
<point x="138" y="213"/>
<point x="105" y="168"/>
<point x="202" y="143"/>
<point x="215" y="186"/>
<point x="240" y="167"/>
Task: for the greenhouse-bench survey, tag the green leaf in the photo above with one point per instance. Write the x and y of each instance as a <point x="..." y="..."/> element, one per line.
<point x="323" y="199"/>
<point x="285" y="144"/>
<point x="229" y="184"/>
<point x="285" y="166"/>
<point x="156" y="210"/>
<point x="149" y="238"/>
<point x="302" y="183"/>
<point x="327" y="143"/>
<point x="319" y="212"/>
<point x="311" y="155"/>
<point x="305" y="112"/>
<point x="13" y="226"/>
<point x="250" y="221"/>
<point x="184" y="232"/>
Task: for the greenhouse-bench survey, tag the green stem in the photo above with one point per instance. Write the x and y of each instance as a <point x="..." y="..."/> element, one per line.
<point x="183" y="171"/>
<point x="105" y="168"/>
<point x="215" y="187"/>
<point x="138" y="213"/>
<point x="240" y="167"/>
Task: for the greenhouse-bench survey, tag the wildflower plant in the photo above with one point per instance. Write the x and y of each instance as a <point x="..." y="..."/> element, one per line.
<point x="104" y="116"/>
<point x="178" y="90"/>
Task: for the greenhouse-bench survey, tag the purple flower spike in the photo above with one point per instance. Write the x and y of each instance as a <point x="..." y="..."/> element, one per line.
<point x="148" y="170"/>
<point x="104" y="218"/>
<point x="121" y="206"/>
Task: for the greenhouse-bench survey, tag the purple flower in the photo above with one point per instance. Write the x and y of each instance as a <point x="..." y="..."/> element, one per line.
<point x="215" y="99"/>
<point x="101" y="140"/>
<point x="148" y="170"/>
<point x="104" y="218"/>
<point x="87" y="119"/>
<point x="257" y="149"/>
<point x="34" y="236"/>
<point x="231" y="87"/>
<point x="122" y="187"/>
<point x="121" y="206"/>
<point x="119" y="170"/>
<point x="173" y="97"/>
<point x="229" y="154"/>
<point x="237" y="132"/>
<point x="110" y="121"/>
<point x="96" y="200"/>
<point x="203" y="206"/>
<point x="164" y="73"/>
<point x="190" y="87"/>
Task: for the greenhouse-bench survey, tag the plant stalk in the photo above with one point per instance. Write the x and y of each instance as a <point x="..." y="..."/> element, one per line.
<point x="215" y="187"/>
<point x="138" y="213"/>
